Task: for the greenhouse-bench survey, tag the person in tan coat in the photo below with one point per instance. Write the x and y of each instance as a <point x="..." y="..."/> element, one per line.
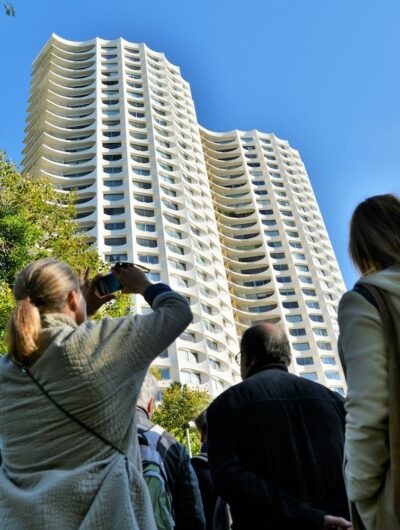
<point x="372" y="365"/>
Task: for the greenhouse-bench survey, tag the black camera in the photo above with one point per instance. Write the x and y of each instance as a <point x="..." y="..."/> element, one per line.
<point x="110" y="283"/>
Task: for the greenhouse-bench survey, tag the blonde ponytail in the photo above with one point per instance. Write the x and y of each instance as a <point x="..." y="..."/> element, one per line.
<point x="42" y="287"/>
<point x="23" y="332"/>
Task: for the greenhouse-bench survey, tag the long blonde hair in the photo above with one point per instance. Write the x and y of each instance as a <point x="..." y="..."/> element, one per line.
<point x="41" y="287"/>
<point x="375" y="234"/>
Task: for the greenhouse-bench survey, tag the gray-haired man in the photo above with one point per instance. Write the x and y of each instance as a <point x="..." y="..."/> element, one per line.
<point x="182" y="480"/>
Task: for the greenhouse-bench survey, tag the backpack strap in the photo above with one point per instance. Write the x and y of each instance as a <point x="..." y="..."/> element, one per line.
<point x="366" y="293"/>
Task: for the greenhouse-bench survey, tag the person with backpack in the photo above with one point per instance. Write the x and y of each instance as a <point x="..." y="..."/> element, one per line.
<point x="68" y="392"/>
<point x="369" y="345"/>
<point x="167" y="470"/>
<point x="215" y="509"/>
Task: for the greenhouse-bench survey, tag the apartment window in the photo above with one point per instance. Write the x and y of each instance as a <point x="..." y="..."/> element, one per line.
<point x="170" y="205"/>
<point x="112" y="183"/>
<point x="324" y="346"/>
<point x="309" y="292"/>
<point x="294" y="318"/>
<point x="258" y="270"/>
<point x="254" y="283"/>
<point x="114" y="241"/>
<point x="110" y="113"/>
<point x="290" y="305"/>
<point x="326" y="359"/>
<point x="317" y="318"/>
<point x="146" y="227"/>
<point x="338" y="389"/>
<point x="168" y="180"/>
<point x="216" y="365"/>
<point x="142" y="172"/>
<point x="281" y="267"/>
<point x="150" y="243"/>
<point x="179" y="265"/>
<point x="301" y="346"/>
<point x="114" y="226"/>
<point x="113" y="170"/>
<point x="188" y="336"/>
<point x="189" y="356"/>
<point x="284" y="279"/>
<point x="312" y="305"/>
<point x="171" y="193"/>
<point x="153" y="276"/>
<point x="305" y="279"/>
<point x="111" y="258"/>
<point x="180" y="281"/>
<point x="190" y="377"/>
<point x="140" y="159"/>
<point x="143" y="212"/>
<point x="174" y="233"/>
<point x="112" y="158"/>
<point x="332" y="374"/>
<point x="165" y="374"/>
<point x="148" y="258"/>
<point x="298" y="332"/>
<point x="175" y="248"/>
<point x="172" y="219"/>
<point x="320" y="331"/>
<point x="143" y="198"/>
<point x="274" y="244"/>
<point x="113" y="196"/>
<point x="212" y="344"/>
<point x="304" y="361"/>
<point x="114" y="211"/>
<point x="271" y="233"/>
<point x="312" y="376"/>
<point x="206" y="308"/>
<point x="269" y="222"/>
<point x="111" y="134"/>
<point x="287" y="292"/>
<point x="207" y="324"/>
<point x="143" y="185"/>
<point x="302" y="268"/>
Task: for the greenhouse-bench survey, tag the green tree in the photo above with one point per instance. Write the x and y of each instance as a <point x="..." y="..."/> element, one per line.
<point x="36" y="221"/>
<point x="9" y="9"/>
<point x="181" y="404"/>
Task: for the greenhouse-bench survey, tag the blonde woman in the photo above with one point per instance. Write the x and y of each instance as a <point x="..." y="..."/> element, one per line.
<point x="68" y="390"/>
<point x="369" y="321"/>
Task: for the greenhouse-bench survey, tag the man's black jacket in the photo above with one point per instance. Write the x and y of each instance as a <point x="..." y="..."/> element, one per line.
<point x="276" y="449"/>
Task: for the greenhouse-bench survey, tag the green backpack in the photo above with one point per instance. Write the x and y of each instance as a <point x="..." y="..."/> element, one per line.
<point x="155" y="477"/>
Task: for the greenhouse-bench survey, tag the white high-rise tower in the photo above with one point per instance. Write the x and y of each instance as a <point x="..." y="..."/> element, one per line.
<point x="228" y="219"/>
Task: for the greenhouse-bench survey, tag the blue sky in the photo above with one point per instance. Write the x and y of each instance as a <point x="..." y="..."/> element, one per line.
<point x="322" y="74"/>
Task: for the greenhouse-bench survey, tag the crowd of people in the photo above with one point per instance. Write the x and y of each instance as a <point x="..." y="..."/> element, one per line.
<point x="279" y="452"/>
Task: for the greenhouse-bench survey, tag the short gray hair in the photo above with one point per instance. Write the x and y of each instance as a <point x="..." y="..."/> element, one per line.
<point x="148" y="391"/>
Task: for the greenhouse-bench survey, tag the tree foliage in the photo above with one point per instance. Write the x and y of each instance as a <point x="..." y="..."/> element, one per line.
<point x="36" y="221"/>
<point x="181" y="404"/>
<point x="9" y="9"/>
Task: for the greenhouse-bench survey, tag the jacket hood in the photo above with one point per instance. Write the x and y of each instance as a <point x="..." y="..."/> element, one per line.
<point x="387" y="280"/>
